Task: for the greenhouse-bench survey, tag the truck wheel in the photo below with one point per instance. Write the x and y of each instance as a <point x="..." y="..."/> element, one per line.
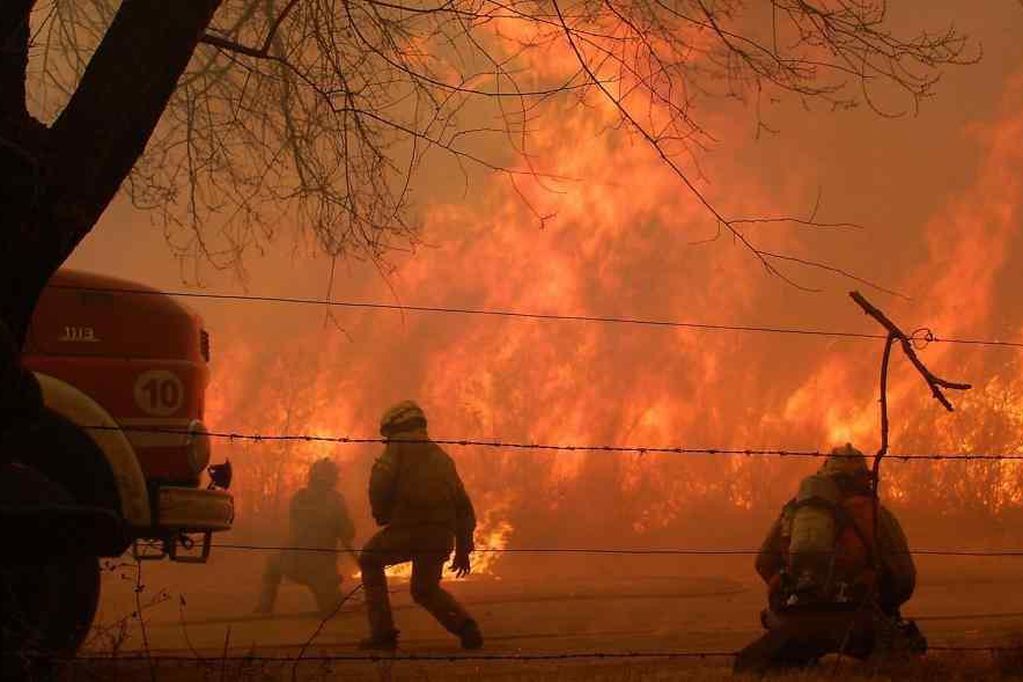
<point x="47" y="603"/>
<point x="49" y="606"/>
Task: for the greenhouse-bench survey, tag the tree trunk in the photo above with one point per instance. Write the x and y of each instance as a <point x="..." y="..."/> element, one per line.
<point x="56" y="181"/>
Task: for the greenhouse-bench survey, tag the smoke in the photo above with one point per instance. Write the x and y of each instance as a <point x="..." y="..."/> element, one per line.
<point x="617" y="235"/>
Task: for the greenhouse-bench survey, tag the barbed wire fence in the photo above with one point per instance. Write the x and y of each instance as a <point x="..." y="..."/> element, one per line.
<point x="918" y="339"/>
<point x="561" y="447"/>
<point x="523" y="656"/>
<point x="223" y="657"/>
<point x="626" y="551"/>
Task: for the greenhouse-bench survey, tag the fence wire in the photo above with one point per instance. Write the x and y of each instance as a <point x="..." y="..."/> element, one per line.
<point x="482" y="658"/>
<point x="626" y="551"/>
<point x="922" y="336"/>
<point x="559" y="447"/>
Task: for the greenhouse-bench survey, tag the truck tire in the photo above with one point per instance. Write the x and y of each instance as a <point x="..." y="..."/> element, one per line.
<point x="48" y="607"/>
<point x="64" y="453"/>
<point x="48" y="602"/>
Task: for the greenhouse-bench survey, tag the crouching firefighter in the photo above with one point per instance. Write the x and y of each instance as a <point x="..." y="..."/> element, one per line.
<point x="836" y="579"/>
<point x="417" y="496"/>
<point x="319" y="521"/>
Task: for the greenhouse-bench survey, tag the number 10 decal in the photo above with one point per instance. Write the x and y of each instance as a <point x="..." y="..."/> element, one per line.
<point x="159" y="392"/>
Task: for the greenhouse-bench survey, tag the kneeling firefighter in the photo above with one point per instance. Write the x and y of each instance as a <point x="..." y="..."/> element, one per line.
<point x="836" y="577"/>
<point x="319" y="521"/>
<point x="417" y="496"/>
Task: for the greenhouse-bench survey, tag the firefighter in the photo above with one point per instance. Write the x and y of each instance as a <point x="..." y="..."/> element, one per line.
<point x="836" y="579"/>
<point x="319" y="521"/>
<point x="417" y="496"/>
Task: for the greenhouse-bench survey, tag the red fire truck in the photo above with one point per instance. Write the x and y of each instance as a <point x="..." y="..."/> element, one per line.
<point x="122" y="370"/>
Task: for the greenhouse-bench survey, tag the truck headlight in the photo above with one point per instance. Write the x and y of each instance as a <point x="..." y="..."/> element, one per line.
<point x="198" y="447"/>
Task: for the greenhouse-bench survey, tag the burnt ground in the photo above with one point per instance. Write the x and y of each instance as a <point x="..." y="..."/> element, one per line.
<point x="194" y="614"/>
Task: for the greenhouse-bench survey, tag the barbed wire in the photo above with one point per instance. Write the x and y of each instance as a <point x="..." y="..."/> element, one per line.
<point x="480" y="658"/>
<point x="633" y="551"/>
<point x="440" y="658"/>
<point x="561" y="447"/>
<point x="922" y="336"/>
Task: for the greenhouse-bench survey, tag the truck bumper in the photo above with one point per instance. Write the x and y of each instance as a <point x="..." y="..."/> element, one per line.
<point x="193" y="510"/>
<point x="181" y="515"/>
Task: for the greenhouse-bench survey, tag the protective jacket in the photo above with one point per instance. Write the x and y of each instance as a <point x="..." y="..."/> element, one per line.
<point x="414" y="485"/>
<point x="858" y="561"/>
<point x="319" y="519"/>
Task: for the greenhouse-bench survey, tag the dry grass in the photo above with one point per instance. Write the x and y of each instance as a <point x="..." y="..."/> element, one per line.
<point x="1005" y="664"/>
<point x="1009" y="661"/>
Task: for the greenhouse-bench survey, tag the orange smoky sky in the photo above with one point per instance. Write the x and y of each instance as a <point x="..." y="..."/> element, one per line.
<point x="939" y="196"/>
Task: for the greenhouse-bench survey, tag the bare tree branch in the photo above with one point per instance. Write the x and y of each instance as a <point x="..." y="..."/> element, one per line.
<point x="934" y="382"/>
<point x="324" y="110"/>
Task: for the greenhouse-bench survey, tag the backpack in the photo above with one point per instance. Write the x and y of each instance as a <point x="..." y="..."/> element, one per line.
<point x="830" y="545"/>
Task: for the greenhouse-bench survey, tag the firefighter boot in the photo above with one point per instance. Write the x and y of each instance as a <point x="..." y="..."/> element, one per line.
<point x="470" y="635"/>
<point x="387" y="642"/>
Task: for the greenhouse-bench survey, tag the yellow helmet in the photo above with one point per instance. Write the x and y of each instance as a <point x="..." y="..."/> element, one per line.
<point x="405" y="416"/>
<point x="845" y="460"/>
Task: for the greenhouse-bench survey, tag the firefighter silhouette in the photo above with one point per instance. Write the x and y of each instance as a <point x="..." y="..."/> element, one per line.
<point x="319" y="522"/>
<point x="836" y="576"/>
<point x="417" y="496"/>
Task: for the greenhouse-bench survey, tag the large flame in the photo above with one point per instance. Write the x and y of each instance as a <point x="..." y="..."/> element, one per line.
<point x="622" y="243"/>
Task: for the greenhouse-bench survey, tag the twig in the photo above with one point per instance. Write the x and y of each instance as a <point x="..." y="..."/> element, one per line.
<point x="883" y="449"/>
<point x="934" y="382"/>
<point x="223" y="657"/>
<point x="142" y="621"/>
<point x="936" y="385"/>
<point x="184" y="629"/>
<point x="875" y="470"/>
<point x="319" y="629"/>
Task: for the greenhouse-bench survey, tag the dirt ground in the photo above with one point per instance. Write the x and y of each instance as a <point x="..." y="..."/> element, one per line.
<point x="538" y="607"/>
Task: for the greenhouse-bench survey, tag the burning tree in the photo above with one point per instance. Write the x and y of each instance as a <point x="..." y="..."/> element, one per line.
<point x="225" y="116"/>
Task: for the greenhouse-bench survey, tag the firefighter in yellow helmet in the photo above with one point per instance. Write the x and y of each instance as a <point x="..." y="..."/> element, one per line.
<point x="836" y="577"/>
<point x="319" y="522"/>
<point x="417" y="496"/>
